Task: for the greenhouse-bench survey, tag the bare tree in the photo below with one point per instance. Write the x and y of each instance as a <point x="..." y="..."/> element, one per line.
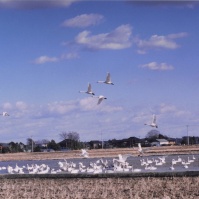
<point x="71" y="138"/>
<point x="69" y="135"/>
<point x="152" y="135"/>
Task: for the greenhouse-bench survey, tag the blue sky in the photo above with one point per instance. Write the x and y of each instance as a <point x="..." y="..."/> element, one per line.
<point x="50" y="50"/>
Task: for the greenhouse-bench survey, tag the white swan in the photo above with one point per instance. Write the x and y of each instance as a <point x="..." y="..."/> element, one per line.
<point x="84" y="153"/>
<point x="122" y="158"/>
<point x="136" y="170"/>
<point x="89" y="90"/>
<point x="140" y="149"/>
<point x="4" y="114"/>
<point x="153" y="123"/>
<point x="108" y="80"/>
<point x="172" y="167"/>
<point x="100" y="98"/>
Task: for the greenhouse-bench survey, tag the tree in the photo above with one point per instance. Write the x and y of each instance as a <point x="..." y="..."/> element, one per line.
<point x="30" y="143"/>
<point x="71" y="139"/>
<point x="69" y="135"/>
<point x="152" y="135"/>
<point x="15" y="147"/>
<point x="53" y="145"/>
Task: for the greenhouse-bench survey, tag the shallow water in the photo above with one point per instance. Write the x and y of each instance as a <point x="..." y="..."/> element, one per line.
<point x="135" y="161"/>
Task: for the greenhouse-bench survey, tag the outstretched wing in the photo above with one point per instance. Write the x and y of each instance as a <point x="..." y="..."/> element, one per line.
<point x="89" y="88"/>
<point x="108" y="77"/>
<point x="100" y="100"/>
<point x="154" y="119"/>
<point x="124" y="157"/>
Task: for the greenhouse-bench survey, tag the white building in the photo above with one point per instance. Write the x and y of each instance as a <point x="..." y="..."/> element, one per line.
<point x="160" y="142"/>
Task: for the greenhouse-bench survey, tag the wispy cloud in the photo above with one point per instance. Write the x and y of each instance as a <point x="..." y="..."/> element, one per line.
<point x="46" y="59"/>
<point x="90" y="104"/>
<point x="157" y="66"/>
<point x="84" y="20"/>
<point x="159" y="42"/>
<point x="115" y="40"/>
<point x="32" y="4"/>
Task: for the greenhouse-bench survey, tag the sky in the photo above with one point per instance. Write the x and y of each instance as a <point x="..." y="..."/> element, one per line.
<point x="51" y="50"/>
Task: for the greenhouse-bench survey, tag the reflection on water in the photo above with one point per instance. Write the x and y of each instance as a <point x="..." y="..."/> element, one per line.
<point x="192" y="162"/>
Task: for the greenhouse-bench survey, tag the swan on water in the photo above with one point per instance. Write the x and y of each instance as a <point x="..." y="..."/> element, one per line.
<point x="89" y="90"/>
<point x="122" y="158"/>
<point x="108" y="80"/>
<point x="172" y="167"/>
<point x="153" y="123"/>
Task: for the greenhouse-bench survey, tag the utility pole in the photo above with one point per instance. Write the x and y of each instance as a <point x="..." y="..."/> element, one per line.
<point x="32" y="143"/>
<point x="102" y="139"/>
<point x="187" y="134"/>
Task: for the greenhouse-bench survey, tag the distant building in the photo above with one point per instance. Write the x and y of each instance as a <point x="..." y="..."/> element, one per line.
<point x="95" y="144"/>
<point x="172" y="141"/>
<point x="160" y="142"/>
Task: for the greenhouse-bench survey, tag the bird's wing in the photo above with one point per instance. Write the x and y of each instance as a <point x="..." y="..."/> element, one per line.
<point x="154" y="119"/>
<point x="100" y="100"/>
<point x="140" y="148"/>
<point x="89" y="88"/>
<point x="108" y="77"/>
<point x="124" y="157"/>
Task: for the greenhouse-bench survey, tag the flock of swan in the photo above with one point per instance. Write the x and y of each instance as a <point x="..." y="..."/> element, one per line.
<point x="100" y="97"/>
<point x="109" y="165"/>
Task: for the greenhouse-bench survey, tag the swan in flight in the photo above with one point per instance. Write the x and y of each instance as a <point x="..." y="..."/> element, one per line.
<point x="84" y="153"/>
<point x="5" y="114"/>
<point x="153" y="123"/>
<point x="122" y="158"/>
<point x="100" y="98"/>
<point x="89" y="91"/>
<point x="140" y="150"/>
<point x="108" y="80"/>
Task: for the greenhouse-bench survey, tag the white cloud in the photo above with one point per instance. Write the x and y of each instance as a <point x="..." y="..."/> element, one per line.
<point x="115" y="40"/>
<point x="7" y="106"/>
<point x="156" y="66"/>
<point x="68" y="56"/>
<point x="83" y="20"/>
<point x="21" y="105"/>
<point x="158" y="42"/>
<point x="44" y="59"/>
<point x="165" y="108"/>
<point x="61" y="107"/>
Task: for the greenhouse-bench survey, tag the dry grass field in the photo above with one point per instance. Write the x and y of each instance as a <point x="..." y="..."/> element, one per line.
<point x="98" y="188"/>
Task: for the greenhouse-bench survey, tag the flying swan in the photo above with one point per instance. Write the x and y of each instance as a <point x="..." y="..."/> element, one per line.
<point x="108" y="80"/>
<point x="4" y="114"/>
<point x="153" y="123"/>
<point x="89" y="91"/>
<point x="100" y="98"/>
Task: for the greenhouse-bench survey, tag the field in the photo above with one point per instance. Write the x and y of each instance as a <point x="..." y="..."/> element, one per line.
<point x="98" y="188"/>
